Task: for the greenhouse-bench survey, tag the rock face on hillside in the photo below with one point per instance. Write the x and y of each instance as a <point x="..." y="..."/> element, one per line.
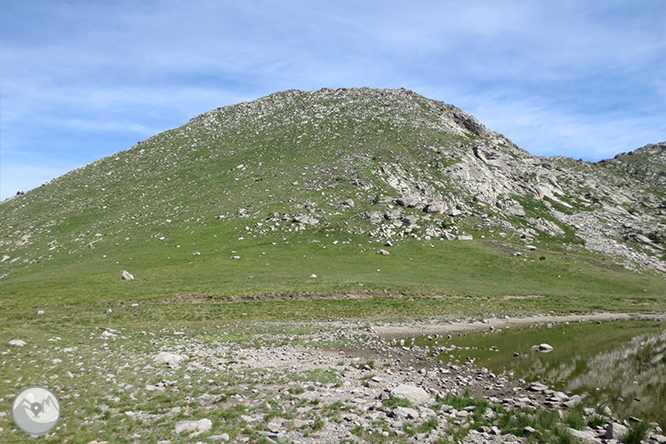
<point x="387" y="163"/>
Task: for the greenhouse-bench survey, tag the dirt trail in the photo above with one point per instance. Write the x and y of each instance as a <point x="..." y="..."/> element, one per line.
<point x="418" y="329"/>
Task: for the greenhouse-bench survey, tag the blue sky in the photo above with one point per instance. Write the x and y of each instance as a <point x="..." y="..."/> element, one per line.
<point x="83" y="79"/>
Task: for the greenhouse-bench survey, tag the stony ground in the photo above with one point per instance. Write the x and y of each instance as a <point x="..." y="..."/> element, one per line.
<point x="332" y="384"/>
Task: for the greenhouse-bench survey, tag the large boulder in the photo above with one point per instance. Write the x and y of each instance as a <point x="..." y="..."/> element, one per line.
<point x="126" y="276"/>
<point x="543" y="348"/>
<point x="415" y="395"/>
<point x="615" y="431"/>
<point x="436" y="208"/>
<point x="408" y="201"/>
<point x="305" y="219"/>
<point x="373" y="216"/>
<point x="196" y="427"/>
<point x="170" y="359"/>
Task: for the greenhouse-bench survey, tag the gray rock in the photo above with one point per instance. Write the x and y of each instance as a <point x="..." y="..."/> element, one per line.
<point x="305" y="219"/>
<point x="393" y="215"/>
<point x="108" y="334"/>
<point x="197" y="427"/>
<point x="406" y="412"/>
<point x="170" y="359"/>
<point x="410" y="201"/>
<point x="528" y="431"/>
<point x="348" y="203"/>
<point x="543" y="348"/>
<point x="517" y="210"/>
<point x="416" y="395"/>
<point x="615" y="431"/>
<point x="571" y="403"/>
<point x="436" y="208"/>
<point x="642" y="239"/>
<point x="587" y="436"/>
<point x="17" y="342"/>
<point x="383" y="252"/>
<point x="538" y="387"/>
<point x="126" y="276"/>
<point x="411" y="219"/>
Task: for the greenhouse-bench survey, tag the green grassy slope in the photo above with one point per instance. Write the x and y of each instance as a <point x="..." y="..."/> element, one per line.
<point x="207" y="209"/>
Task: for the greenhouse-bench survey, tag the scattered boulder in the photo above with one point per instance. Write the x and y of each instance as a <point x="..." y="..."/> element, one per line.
<point x="127" y="276"/>
<point x="196" y="427"/>
<point x="410" y="201"/>
<point x="436" y="208"/>
<point x="517" y="210"/>
<point x="615" y="431"/>
<point x="348" y="203"/>
<point x="40" y="312"/>
<point x="415" y="395"/>
<point x="406" y="413"/>
<point x="411" y="219"/>
<point x="170" y="359"/>
<point x="543" y="348"/>
<point x="586" y="436"/>
<point x="305" y="219"/>
<point x="383" y="252"/>
<point x="108" y="334"/>
<point x="373" y="216"/>
<point x="393" y="215"/>
<point x="17" y="342"/>
<point x="538" y="387"/>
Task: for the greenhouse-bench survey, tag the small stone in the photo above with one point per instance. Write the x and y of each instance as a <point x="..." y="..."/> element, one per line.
<point x="40" y="312"/>
<point x="313" y="275"/>
<point x="383" y="252"/>
<point x="17" y="342"/>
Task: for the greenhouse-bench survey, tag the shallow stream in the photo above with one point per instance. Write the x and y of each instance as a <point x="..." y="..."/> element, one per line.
<point x="621" y="364"/>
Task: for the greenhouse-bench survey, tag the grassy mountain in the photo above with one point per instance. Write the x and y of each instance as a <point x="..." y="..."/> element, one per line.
<point x="257" y="198"/>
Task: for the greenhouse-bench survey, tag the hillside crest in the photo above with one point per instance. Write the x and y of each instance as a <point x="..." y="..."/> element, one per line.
<point x="388" y="164"/>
